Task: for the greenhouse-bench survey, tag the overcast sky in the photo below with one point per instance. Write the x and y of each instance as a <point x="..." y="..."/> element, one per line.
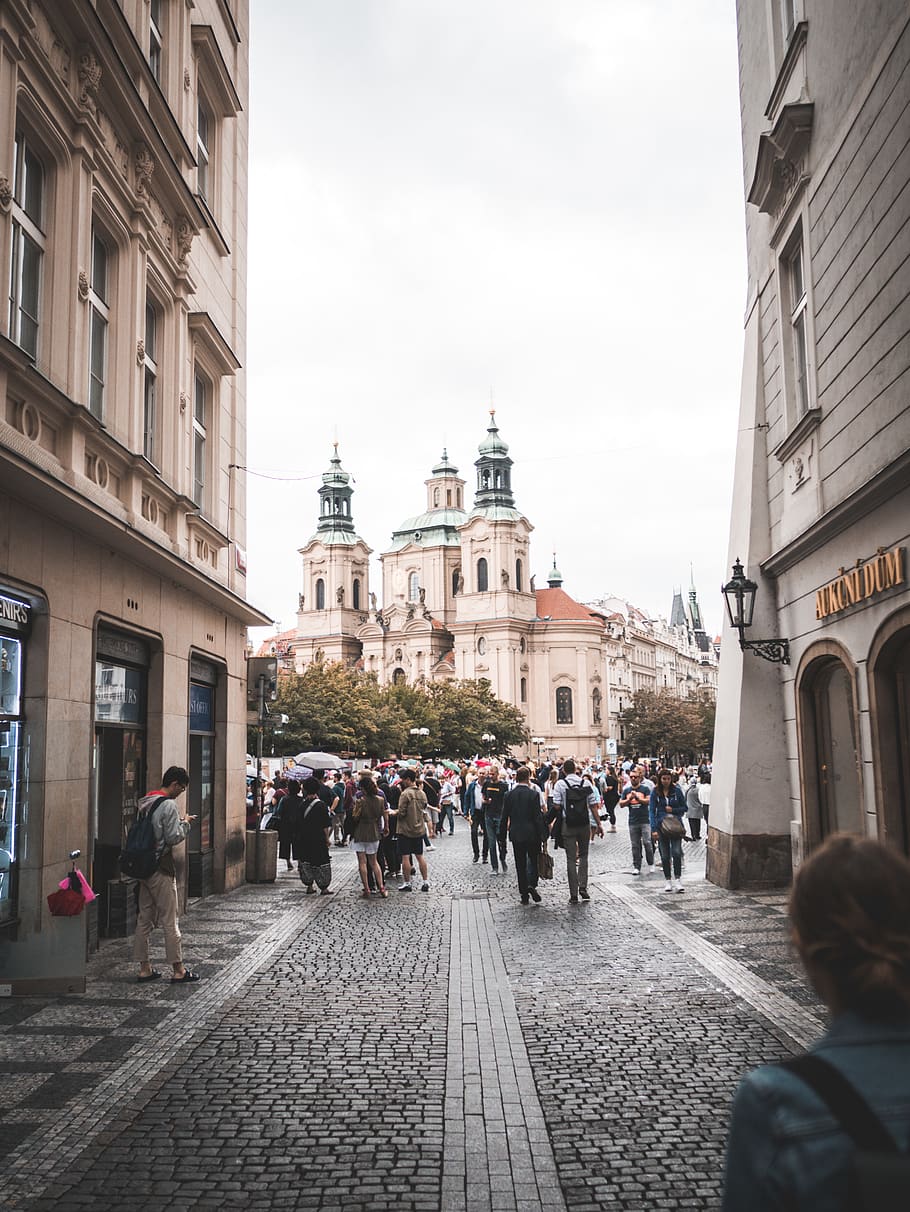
<point x="538" y="199"/>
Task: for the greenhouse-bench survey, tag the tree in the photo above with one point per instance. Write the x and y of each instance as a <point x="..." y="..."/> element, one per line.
<point x="660" y="725"/>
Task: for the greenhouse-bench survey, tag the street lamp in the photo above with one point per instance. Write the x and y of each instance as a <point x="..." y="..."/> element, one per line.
<point x="419" y="733"/>
<point x="739" y="594"/>
<point x="538" y="741"/>
<point x="489" y="740"/>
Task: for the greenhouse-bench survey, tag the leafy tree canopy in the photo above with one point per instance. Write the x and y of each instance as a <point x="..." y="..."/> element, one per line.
<point x="660" y="725"/>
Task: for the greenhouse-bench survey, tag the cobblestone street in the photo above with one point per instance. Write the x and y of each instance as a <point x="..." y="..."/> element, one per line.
<point x="454" y="1050"/>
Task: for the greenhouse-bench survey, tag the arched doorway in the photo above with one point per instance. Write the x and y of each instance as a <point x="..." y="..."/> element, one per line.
<point x="829" y="747"/>
<point x="889" y="697"/>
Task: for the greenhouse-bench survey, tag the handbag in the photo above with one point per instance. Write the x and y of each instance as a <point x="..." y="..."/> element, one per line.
<point x="672" y="826"/>
<point x="65" y="902"/>
<point x="545" y="865"/>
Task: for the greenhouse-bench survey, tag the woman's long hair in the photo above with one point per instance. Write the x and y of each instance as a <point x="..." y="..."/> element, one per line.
<point x="850" y="909"/>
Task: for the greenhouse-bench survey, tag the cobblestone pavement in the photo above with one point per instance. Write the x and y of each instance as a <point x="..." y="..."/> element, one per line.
<point x="451" y="1050"/>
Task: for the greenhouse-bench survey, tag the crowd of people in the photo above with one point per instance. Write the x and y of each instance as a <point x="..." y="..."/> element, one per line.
<point x="393" y="815"/>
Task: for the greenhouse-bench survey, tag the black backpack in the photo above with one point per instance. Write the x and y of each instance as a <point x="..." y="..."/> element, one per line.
<point x="575" y="802"/>
<point x="879" y="1171"/>
<point x="139" y="856"/>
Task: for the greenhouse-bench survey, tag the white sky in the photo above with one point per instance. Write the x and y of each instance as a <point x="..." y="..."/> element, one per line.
<point x="539" y="197"/>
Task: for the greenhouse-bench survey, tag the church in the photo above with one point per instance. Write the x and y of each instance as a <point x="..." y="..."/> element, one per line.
<point x="458" y="601"/>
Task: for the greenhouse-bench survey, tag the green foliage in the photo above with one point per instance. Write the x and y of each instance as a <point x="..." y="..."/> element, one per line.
<point x="341" y="710"/>
<point x="660" y="725"/>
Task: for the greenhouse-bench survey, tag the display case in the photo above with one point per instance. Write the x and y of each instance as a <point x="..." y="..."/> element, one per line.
<point x="11" y="653"/>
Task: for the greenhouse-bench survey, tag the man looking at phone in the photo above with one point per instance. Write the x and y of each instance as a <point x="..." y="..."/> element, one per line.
<point x="158" y="893"/>
<point x="637" y="799"/>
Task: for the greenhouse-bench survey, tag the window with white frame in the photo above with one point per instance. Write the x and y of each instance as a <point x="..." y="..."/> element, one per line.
<point x="99" y="322"/>
<point x="796" y="308"/>
<point x="202" y="408"/>
<point x="788" y="18"/>
<point x="156" y="39"/>
<point x="28" y="246"/>
<point x="204" y="127"/>
<point x="413" y="587"/>
<point x="150" y="384"/>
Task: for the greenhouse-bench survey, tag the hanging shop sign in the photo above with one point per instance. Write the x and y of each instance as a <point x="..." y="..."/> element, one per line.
<point x="871" y="578"/>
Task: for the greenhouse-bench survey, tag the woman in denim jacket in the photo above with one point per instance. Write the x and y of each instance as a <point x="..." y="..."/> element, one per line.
<point x="850" y="913"/>
<point x="667" y="799"/>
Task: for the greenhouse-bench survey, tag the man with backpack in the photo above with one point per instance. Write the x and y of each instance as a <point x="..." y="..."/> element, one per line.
<point x="158" y="890"/>
<point x="574" y="798"/>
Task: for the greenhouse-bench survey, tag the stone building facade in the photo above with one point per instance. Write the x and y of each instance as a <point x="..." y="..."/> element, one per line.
<point x="821" y="510"/>
<point x="459" y="601"/>
<point x="123" y="182"/>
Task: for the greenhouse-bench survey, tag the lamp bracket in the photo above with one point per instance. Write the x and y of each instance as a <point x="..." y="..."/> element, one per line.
<point x="777" y="651"/>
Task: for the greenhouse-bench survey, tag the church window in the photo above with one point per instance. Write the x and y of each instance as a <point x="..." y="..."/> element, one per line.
<point x="449" y="497"/>
<point x="435" y="498"/>
<point x="320" y="594"/>
<point x="524" y="690"/>
<point x="563" y="705"/>
<point x="482" y="576"/>
<point x="519" y="587"/>
<point x="413" y="587"/>
<point x="398" y="677"/>
<point x="355" y="594"/>
<point x="481" y="645"/>
<point x="456" y="573"/>
<point x="458" y="497"/>
<point x="522" y="645"/>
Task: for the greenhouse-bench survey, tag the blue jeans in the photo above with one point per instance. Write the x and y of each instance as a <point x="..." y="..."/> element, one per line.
<point x="492" y="825"/>
<point x="447" y="810"/>
<point x="670" y="847"/>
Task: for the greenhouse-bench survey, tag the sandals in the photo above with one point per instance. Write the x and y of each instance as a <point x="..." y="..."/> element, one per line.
<point x="187" y="979"/>
<point x="150" y="976"/>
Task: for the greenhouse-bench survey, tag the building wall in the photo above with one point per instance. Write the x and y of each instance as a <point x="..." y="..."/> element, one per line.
<point x="97" y="528"/>
<point x="816" y="492"/>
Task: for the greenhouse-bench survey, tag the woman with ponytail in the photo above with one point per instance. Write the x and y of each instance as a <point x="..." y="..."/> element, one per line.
<point x="787" y="1148"/>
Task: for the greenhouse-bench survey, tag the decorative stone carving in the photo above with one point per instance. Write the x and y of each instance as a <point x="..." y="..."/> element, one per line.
<point x="184" y="236"/>
<point x="339" y="595"/>
<point x="781" y="158"/>
<point x="6" y="193"/>
<point x="82" y="286"/>
<point x="89" y="77"/>
<point x="53" y="46"/>
<point x="183" y="401"/>
<point x="144" y="164"/>
<point x="140" y="352"/>
<point x="800" y="466"/>
<point x="187" y="81"/>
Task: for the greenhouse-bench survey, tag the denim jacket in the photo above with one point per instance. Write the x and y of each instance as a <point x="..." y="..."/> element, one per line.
<point x="662" y="805"/>
<point x="785" y="1150"/>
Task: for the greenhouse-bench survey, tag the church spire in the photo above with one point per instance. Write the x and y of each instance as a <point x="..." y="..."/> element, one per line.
<point x="335" y="496"/>
<point x="494" y="470"/>
<point x="554" y="577"/>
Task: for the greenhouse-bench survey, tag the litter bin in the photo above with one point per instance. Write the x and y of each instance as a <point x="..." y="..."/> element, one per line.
<point x="252" y="837"/>
<point x="266" y="856"/>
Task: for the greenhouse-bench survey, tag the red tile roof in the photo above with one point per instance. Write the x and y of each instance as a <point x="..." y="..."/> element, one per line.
<point x="557" y="604"/>
<point x="280" y="642"/>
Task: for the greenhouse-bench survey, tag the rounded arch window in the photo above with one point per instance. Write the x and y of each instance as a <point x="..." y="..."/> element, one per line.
<point x="483" y="576"/>
<point x="435" y="498"/>
<point x="522" y="645"/>
<point x="398" y="677"/>
<point x="481" y="645"/>
<point x="519" y="570"/>
<point x="524" y="690"/>
<point x="413" y="587"/>
<point x="355" y="593"/>
<point x="564" y="705"/>
<point x="320" y="594"/>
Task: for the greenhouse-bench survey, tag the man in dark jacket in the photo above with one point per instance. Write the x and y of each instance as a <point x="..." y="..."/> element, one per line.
<point x="523" y="817"/>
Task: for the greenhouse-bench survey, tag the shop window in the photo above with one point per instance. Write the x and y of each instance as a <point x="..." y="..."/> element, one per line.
<point x="320" y="594"/>
<point x="482" y="576"/>
<point x="889" y="664"/>
<point x="563" y="705"/>
<point x="12" y="722"/>
<point x="201" y="789"/>
<point x="28" y="245"/>
<point x="830" y="750"/>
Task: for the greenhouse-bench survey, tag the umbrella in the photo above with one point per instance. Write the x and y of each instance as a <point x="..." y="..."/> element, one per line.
<point x="320" y="761"/>
<point x="483" y="762"/>
<point x="450" y="765"/>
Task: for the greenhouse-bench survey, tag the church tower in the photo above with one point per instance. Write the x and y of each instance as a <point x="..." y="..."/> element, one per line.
<point x="495" y="604"/>
<point x="336" y="572"/>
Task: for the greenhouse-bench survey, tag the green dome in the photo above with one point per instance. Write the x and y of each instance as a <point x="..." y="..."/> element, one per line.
<point x="493" y="445"/>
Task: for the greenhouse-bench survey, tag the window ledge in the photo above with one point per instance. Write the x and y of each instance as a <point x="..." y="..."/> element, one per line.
<point x="779" y="166"/>
<point x="221" y="244"/>
<point x="807" y="424"/>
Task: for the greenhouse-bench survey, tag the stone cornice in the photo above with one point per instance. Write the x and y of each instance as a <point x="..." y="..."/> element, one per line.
<point x="779" y="166"/>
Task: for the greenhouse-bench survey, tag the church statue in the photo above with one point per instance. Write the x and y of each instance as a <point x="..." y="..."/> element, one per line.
<point x="459" y="583"/>
<point x="533" y="586"/>
<point x="300" y="601"/>
<point x="422" y="595"/>
<point x="372" y="601"/>
<point x="504" y="577"/>
<point x="339" y="595"/>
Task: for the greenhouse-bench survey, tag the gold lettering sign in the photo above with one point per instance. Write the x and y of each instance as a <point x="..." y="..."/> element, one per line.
<point x="868" y="580"/>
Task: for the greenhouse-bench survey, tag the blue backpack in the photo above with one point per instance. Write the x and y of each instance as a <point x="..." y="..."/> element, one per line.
<point x="140" y="855"/>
